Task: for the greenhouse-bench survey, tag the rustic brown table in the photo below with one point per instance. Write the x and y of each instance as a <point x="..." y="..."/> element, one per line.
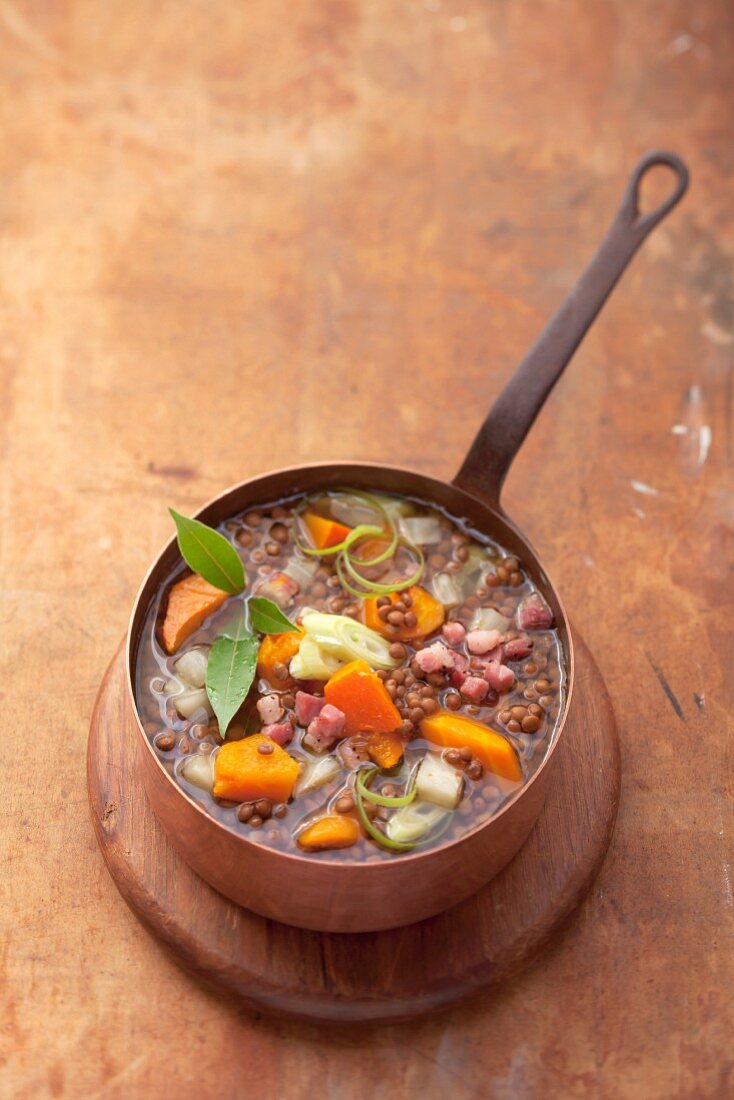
<point x="236" y="236"/>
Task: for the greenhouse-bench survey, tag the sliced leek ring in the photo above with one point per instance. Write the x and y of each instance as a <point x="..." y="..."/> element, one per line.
<point x="348" y="639"/>
<point x="312" y="663"/>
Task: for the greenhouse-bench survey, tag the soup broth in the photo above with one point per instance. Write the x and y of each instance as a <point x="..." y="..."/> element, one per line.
<point x="415" y="682"/>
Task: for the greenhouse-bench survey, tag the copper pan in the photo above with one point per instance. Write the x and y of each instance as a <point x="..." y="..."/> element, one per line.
<point x="330" y="895"/>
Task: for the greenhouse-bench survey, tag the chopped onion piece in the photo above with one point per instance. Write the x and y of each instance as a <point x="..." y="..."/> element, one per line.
<point x="437" y="782"/>
<point x="352" y="510"/>
<point x="317" y="773"/>
<point x="446" y="590"/>
<point x="394" y="506"/>
<point x="313" y="663"/>
<point x="486" y="618"/>
<point x="420" y="530"/>
<point x="199" y="771"/>
<point x="301" y="570"/>
<point x="412" y="822"/>
<point x="191" y="667"/>
<point x="188" y="701"/>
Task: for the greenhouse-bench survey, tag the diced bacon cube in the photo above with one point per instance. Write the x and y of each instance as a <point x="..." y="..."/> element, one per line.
<point x="280" y="732"/>
<point x="435" y="658"/>
<point x="269" y="708"/>
<point x="307" y="707"/>
<point x="474" y="689"/>
<point x="459" y="672"/>
<point x="331" y="721"/>
<point x="454" y="633"/>
<point x="279" y="588"/>
<point x="482" y="641"/>
<point x="326" y="728"/>
<point x="517" y="648"/>
<point x="496" y="654"/>
<point x="499" y="677"/>
<point x="534" y="613"/>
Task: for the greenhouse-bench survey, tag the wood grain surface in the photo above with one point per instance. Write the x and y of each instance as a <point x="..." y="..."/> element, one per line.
<point x="398" y="974"/>
<point x="236" y="236"/>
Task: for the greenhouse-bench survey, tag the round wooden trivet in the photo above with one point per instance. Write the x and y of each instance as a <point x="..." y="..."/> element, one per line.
<point x="387" y="975"/>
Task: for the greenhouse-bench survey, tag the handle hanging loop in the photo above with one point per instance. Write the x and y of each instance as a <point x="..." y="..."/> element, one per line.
<point x="513" y="413"/>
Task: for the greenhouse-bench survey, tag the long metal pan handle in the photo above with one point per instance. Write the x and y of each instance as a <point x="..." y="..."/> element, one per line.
<point x="513" y="413"/>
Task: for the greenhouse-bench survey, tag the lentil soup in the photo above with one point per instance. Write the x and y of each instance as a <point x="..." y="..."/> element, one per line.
<point x="405" y="680"/>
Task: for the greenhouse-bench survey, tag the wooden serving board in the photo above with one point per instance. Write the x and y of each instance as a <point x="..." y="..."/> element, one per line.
<point x="388" y="975"/>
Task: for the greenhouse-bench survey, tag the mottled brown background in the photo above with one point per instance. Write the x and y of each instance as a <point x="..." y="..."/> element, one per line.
<point x="240" y="235"/>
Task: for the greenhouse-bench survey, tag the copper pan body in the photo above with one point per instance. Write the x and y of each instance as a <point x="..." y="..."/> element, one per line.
<point x="338" y="896"/>
<point x="332" y="895"/>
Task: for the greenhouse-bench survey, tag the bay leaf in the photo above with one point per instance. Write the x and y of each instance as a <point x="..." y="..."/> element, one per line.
<point x="230" y="671"/>
<point x="209" y="554"/>
<point x="267" y="618"/>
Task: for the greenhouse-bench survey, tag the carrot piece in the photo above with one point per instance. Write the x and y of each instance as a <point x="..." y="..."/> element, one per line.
<point x="332" y="831"/>
<point x="277" y="649"/>
<point x="325" y="532"/>
<point x="190" y="602"/>
<point x="243" y="774"/>
<point x="385" y="749"/>
<point x="427" y="610"/>
<point x="360" y="693"/>
<point x="454" y="731"/>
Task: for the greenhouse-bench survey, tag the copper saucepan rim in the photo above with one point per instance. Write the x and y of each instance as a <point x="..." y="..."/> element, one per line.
<point x="131" y="651"/>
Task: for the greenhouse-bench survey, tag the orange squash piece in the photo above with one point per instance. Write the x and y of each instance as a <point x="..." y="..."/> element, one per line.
<point x="454" y="731"/>
<point x="332" y="831"/>
<point x="277" y="649"/>
<point x="427" y="610"/>
<point x="190" y="602"/>
<point x="325" y="532"/>
<point x="385" y="749"/>
<point x="360" y="693"/>
<point x="242" y="774"/>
